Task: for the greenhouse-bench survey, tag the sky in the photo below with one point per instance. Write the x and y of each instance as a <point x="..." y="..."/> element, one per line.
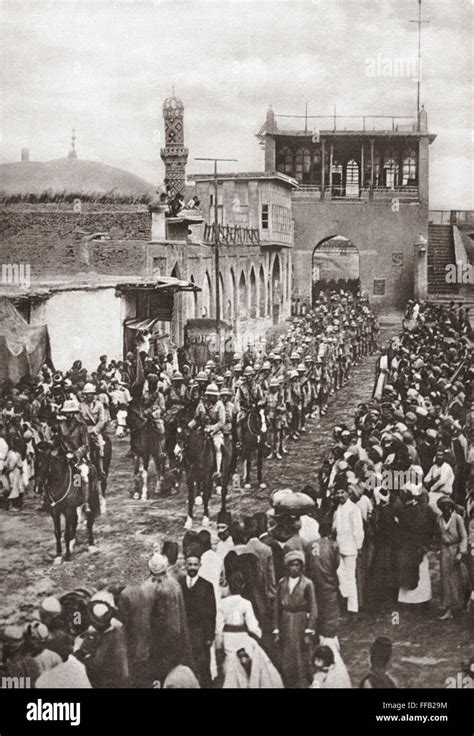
<point x="105" y="67"/>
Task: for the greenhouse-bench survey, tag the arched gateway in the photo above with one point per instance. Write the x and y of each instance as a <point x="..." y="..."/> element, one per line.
<point x="335" y="265"/>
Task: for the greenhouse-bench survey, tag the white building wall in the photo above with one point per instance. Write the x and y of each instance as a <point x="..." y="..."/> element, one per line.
<point x="83" y="325"/>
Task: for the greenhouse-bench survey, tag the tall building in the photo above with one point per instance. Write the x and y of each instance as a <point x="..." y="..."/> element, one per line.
<point x="174" y="154"/>
<point x="362" y="201"/>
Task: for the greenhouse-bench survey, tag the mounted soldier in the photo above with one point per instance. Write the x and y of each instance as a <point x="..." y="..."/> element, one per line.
<point x="177" y="402"/>
<point x="210" y="416"/>
<point x="264" y="377"/>
<point x="177" y="396"/>
<point x="93" y="414"/>
<point x="248" y="396"/>
<point x="202" y="380"/>
<point x="74" y="437"/>
<point x="154" y="403"/>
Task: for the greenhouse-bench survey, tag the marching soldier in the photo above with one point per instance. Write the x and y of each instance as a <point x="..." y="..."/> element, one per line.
<point x="276" y="410"/>
<point x="293" y="403"/>
<point x="230" y="429"/>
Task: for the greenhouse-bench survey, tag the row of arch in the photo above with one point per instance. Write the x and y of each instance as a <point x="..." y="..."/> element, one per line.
<point x="259" y="293"/>
<point x="251" y="296"/>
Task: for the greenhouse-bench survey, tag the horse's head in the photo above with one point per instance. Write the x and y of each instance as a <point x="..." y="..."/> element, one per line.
<point x="43" y="457"/>
<point x="180" y="443"/>
<point x="263" y="420"/>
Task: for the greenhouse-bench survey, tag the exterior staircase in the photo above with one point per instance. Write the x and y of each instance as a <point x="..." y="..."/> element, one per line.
<point x="440" y="254"/>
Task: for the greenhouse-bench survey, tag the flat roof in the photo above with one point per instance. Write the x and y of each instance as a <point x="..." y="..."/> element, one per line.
<point x="354" y="133"/>
<point x="249" y="176"/>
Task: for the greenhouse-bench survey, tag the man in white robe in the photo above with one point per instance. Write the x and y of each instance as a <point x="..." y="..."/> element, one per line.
<point x="349" y="529"/>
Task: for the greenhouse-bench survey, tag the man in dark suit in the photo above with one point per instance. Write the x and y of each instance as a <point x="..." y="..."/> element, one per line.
<point x="264" y="556"/>
<point x="200" y="606"/>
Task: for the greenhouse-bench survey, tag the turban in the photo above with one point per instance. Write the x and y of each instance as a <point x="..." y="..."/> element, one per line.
<point x="293" y="556"/>
<point x="414" y="488"/>
<point x="158" y="564"/>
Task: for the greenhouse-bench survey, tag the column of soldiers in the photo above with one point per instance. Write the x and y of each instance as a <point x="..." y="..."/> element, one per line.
<point x="292" y="379"/>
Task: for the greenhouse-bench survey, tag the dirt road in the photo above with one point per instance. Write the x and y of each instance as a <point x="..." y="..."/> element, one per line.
<point x="426" y="650"/>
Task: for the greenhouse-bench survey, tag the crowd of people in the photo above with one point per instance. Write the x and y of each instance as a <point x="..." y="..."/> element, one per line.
<point x="262" y="605"/>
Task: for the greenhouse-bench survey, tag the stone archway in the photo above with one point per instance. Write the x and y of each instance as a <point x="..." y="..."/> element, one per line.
<point x="233" y="301"/>
<point x="242" y="315"/>
<point x="262" y="293"/>
<point x="253" y="294"/>
<point x="335" y="265"/>
<point x="276" y="290"/>
<point x="206" y="297"/>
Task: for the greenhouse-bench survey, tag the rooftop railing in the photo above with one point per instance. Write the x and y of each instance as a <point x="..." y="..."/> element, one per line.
<point x="310" y="123"/>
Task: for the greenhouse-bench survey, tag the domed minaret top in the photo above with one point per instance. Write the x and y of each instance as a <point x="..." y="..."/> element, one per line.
<point x="174" y="153"/>
<point x="173" y="103"/>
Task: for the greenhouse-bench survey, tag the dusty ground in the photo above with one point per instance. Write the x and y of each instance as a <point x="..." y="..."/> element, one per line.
<point x="426" y="650"/>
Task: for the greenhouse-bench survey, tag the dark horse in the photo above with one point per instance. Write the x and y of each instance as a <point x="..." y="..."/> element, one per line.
<point x="61" y="484"/>
<point x="254" y="441"/>
<point x="145" y="443"/>
<point x="194" y="450"/>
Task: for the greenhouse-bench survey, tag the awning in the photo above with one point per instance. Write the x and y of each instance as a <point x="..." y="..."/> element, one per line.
<point x="24" y="348"/>
<point x="141" y="324"/>
<point x="163" y="283"/>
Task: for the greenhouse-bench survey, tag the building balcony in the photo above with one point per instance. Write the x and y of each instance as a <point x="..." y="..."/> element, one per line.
<point x="351" y="193"/>
<point x="231" y="235"/>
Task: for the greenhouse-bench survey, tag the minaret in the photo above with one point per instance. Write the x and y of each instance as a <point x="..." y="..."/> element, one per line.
<point x="72" y="151"/>
<point x="174" y="154"/>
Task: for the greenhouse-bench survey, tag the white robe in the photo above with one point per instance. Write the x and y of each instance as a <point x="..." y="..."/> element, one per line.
<point x="422" y="592"/>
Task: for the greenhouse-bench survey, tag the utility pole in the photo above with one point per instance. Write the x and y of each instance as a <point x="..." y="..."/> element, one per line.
<point x="419" y="23"/>
<point x="216" y="243"/>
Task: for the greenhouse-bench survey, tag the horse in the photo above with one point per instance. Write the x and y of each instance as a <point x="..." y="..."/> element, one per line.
<point x="145" y="443"/>
<point x="106" y="461"/>
<point x="63" y="495"/>
<point x="254" y="440"/>
<point x="194" y="451"/>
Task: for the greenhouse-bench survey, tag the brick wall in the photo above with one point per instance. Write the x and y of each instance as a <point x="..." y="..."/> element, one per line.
<point x="55" y="240"/>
